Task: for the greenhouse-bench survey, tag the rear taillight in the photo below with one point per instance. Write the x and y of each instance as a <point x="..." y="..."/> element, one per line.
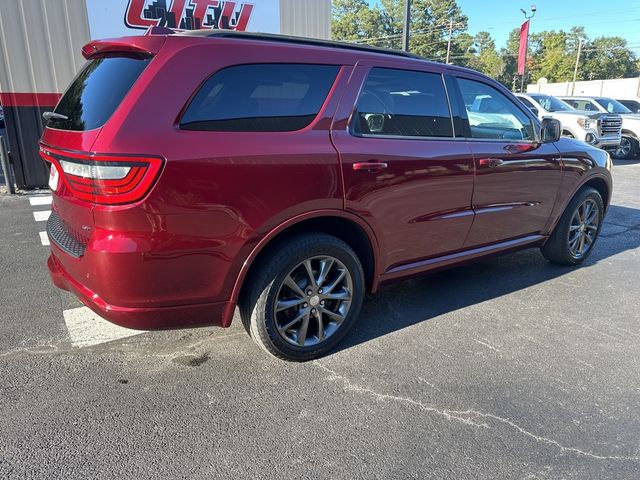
<point x="105" y="179"/>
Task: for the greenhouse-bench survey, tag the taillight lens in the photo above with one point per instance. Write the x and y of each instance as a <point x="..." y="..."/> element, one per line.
<point x="105" y="179"/>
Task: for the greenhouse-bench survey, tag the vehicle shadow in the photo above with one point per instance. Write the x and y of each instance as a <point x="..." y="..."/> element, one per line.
<point x="633" y="161"/>
<point x="405" y="303"/>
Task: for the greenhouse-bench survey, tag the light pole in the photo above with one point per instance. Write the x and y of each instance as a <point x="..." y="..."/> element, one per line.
<point x="407" y="25"/>
<point x="526" y="50"/>
<point x="575" y="71"/>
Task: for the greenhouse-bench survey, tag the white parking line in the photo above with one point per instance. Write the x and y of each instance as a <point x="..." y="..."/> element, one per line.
<point x="87" y="328"/>
<point x="44" y="238"/>
<point x="41" y="216"/>
<point x="40" y="200"/>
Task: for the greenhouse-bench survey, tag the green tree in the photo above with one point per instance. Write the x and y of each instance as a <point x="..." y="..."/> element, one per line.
<point x="479" y="52"/>
<point x="608" y="57"/>
<point x="489" y="61"/>
<point x="430" y="22"/>
<point x="354" y="20"/>
<point x="465" y="50"/>
<point x="551" y="56"/>
<point x="509" y="56"/>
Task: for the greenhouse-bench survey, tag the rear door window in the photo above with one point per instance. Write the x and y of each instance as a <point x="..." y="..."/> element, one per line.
<point x="260" y="98"/>
<point x="97" y="91"/>
<point x="403" y="103"/>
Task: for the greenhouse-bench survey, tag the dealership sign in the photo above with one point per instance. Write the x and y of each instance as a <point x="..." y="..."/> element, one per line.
<point x="114" y="18"/>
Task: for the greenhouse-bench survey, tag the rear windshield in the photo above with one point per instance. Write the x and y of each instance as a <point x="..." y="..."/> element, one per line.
<point x="96" y="92"/>
<point x="260" y="98"/>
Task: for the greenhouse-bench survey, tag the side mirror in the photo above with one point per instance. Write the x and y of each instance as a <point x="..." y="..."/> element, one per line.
<point x="550" y="131"/>
<point x="535" y="111"/>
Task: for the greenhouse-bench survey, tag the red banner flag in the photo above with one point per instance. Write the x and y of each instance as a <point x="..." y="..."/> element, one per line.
<point x="522" y="53"/>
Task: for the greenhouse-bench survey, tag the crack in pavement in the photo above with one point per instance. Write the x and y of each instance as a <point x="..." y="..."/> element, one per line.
<point x="467" y="417"/>
<point x="119" y="346"/>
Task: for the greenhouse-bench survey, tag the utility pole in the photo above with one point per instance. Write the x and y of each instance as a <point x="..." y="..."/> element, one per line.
<point x="449" y="42"/>
<point x="526" y="51"/>
<point x="575" y="71"/>
<point x="407" y="25"/>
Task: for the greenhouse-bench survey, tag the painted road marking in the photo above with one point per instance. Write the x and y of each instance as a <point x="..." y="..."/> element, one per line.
<point x="44" y="238"/>
<point x="87" y="328"/>
<point x="40" y="200"/>
<point x="41" y="216"/>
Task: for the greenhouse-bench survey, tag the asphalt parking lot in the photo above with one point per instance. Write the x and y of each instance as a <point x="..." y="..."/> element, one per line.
<point x="508" y="368"/>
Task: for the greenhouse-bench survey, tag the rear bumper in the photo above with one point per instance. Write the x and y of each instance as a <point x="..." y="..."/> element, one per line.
<point x="156" y="318"/>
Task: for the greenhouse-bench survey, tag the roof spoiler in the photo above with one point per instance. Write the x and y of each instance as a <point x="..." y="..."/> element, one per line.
<point x="145" y="46"/>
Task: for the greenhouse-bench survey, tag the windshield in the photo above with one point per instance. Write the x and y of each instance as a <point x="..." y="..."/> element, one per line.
<point x="551" y="104"/>
<point x="612" y="106"/>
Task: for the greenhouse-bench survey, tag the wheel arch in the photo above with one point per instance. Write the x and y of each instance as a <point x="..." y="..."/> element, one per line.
<point x="348" y="227"/>
<point x="601" y="186"/>
<point x="629" y="133"/>
<point x="597" y="181"/>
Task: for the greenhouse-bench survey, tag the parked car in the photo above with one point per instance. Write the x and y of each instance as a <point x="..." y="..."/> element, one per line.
<point x="630" y="121"/>
<point x="289" y="176"/>
<point x="602" y="130"/>
<point x="1" y="117"/>
<point x="633" y="105"/>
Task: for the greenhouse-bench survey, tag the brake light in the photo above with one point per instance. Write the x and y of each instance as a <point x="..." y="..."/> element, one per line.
<point x="105" y="179"/>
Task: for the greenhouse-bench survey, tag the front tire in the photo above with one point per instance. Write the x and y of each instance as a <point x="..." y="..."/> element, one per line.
<point x="576" y="233"/>
<point x="303" y="298"/>
<point x="627" y="148"/>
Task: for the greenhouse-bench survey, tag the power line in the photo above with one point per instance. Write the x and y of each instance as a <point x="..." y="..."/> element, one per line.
<point x="399" y="35"/>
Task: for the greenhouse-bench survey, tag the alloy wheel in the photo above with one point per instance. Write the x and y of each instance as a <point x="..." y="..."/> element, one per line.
<point x="624" y="149"/>
<point x="313" y="301"/>
<point x="583" y="228"/>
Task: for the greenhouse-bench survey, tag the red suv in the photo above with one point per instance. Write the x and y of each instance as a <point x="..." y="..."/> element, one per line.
<point x="195" y="172"/>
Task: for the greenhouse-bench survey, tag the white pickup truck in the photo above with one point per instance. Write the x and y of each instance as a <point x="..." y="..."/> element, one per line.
<point x="601" y="130"/>
<point x="630" y="121"/>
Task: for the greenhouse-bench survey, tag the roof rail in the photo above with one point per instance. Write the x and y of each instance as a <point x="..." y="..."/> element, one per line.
<point x="270" y="37"/>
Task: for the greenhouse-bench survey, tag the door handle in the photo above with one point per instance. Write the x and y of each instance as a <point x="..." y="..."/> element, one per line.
<point x="490" y="162"/>
<point x="370" y="166"/>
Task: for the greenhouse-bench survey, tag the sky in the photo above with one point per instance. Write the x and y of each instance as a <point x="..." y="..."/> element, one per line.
<point x="610" y="17"/>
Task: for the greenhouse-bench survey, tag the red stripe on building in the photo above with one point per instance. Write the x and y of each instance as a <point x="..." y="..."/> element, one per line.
<point x="18" y="99"/>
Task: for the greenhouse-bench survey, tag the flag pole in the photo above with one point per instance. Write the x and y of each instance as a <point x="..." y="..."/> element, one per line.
<point x="526" y="49"/>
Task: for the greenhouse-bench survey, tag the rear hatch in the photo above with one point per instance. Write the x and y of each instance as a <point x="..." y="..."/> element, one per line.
<point x="81" y="178"/>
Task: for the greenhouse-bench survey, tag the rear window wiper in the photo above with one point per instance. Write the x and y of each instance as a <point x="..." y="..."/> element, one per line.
<point x="54" y="116"/>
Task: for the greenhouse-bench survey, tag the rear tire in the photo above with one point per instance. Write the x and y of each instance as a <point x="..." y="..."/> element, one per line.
<point x="572" y="241"/>
<point x="302" y="299"/>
